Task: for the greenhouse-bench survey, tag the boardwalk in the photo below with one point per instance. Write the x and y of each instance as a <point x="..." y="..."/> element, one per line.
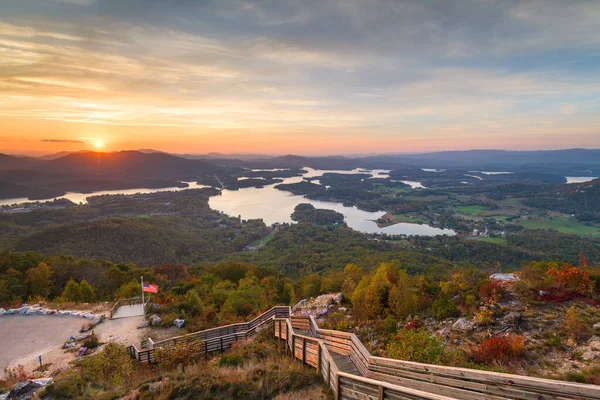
<point x="352" y="373"/>
<point x="135" y="310"/>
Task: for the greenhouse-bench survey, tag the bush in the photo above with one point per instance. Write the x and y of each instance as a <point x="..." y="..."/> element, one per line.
<point x="417" y="345"/>
<point x="491" y="290"/>
<point x="444" y="308"/>
<point x="91" y="342"/>
<point x="498" y="350"/>
<point x="182" y="353"/>
<point x="576" y="326"/>
<point x="389" y="326"/>
<point x="111" y="366"/>
<point x="484" y="317"/>
<point x="231" y="360"/>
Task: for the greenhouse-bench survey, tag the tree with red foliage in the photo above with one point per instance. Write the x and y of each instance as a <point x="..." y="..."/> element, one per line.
<point x="571" y="280"/>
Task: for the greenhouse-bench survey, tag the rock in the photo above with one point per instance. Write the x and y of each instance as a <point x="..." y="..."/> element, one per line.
<point x="597" y="326"/>
<point x="456" y="342"/>
<point x="24" y="390"/>
<point x="590" y="355"/>
<point x="342" y="309"/>
<point x="409" y="319"/>
<point x="155" y="320"/>
<point x="462" y="324"/>
<point x="143" y="324"/>
<point x="456" y="299"/>
<point x="338" y="298"/>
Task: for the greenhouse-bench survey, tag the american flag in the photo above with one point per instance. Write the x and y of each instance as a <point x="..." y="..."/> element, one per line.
<point x="150" y="288"/>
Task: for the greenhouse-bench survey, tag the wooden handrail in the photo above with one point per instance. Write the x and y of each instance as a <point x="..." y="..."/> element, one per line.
<point x="380" y="378"/>
<point x="388" y="378"/>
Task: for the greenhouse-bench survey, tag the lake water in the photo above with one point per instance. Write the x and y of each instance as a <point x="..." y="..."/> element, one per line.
<point x="580" y="179"/>
<point x="273" y="205"/>
<point x="81" y="197"/>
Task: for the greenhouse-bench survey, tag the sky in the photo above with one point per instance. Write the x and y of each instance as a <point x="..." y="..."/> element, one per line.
<point x="298" y="76"/>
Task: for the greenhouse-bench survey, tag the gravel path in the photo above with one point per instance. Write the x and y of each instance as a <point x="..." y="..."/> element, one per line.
<point x="23" y="338"/>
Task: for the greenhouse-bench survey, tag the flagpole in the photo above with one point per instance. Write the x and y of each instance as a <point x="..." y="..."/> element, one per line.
<point x="143" y="302"/>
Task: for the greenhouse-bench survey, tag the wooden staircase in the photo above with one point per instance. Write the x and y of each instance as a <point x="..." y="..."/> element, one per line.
<point x="352" y="372"/>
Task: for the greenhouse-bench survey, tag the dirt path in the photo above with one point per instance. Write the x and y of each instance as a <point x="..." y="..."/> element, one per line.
<point x="23" y="338"/>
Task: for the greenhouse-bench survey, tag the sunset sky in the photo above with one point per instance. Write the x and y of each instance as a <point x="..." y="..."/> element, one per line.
<point x="298" y="76"/>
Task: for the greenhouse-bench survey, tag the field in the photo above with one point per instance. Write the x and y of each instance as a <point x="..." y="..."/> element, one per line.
<point x="410" y="219"/>
<point x="470" y="210"/>
<point x="264" y="240"/>
<point x="561" y="224"/>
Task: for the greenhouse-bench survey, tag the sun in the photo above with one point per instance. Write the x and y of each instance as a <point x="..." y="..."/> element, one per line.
<point x="99" y="144"/>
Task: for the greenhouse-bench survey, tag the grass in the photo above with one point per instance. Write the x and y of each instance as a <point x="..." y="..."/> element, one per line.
<point x="492" y="240"/>
<point x="470" y="210"/>
<point x="409" y="219"/>
<point x="561" y="224"/>
<point x="143" y="216"/>
<point x="265" y="240"/>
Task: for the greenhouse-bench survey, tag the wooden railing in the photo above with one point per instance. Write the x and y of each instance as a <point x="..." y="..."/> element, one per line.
<point x="384" y="378"/>
<point x="214" y="339"/>
<point x="379" y="378"/>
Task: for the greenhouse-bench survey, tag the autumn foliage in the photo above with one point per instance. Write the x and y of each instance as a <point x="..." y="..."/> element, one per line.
<point x="499" y="350"/>
<point x="491" y="290"/>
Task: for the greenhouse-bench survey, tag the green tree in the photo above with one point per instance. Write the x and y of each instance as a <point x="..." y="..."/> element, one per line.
<point x="193" y="302"/>
<point x="87" y="292"/>
<point x="39" y="280"/>
<point x="129" y="290"/>
<point x="72" y="291"/>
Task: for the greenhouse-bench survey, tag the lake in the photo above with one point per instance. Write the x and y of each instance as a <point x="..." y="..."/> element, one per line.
<point x="81" y="197"/>
<point x="272" y="205"/>
<point x="580" y="179"/>
<point x="276" y="206"/>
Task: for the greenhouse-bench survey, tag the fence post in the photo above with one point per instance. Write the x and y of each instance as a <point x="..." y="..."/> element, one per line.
<point x="293" y="346"/>
<point x="319" y="358"/>
<point x="303" y="350"/>
<point x="221" y="344"/>
<point x="380" y="395"/>
<point x="329" y="374"/>
<point x="337" y="387"/>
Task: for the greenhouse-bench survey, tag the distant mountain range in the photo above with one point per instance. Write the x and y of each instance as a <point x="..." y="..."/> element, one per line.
<point x="54" y="174"/>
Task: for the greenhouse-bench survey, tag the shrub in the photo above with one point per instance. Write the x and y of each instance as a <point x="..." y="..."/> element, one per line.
<point x="576" y="326"/>
<point x="389" y="326"/>
<point x="417" y="345"/>
<point x="13" y="376"/>
<point x="571" y="279"/>
<point x="498" y="350"/>
<point x="231" y="360"/>
<point x="91" y="342"/>
<point x="444" y="308"/>
<point x="416" y="323"/>
<point x="491" y="290"/>
<point x="111" y="366"/>
<point x="182" y="353"/>
<point x="484" y="317"/>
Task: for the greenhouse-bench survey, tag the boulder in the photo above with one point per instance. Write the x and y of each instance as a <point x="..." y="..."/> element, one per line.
<point x="26" y="390"/>
<point x="338" y="298"/>
<point x="155" y="320"/>
<point x="143" y="324"/>
<point x="596" y="325"/>
<point x="462" y="324"/>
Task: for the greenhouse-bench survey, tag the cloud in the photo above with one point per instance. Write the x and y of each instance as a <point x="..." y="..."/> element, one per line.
<point x="408" y="68"/>
<point x="62" y="141"/>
